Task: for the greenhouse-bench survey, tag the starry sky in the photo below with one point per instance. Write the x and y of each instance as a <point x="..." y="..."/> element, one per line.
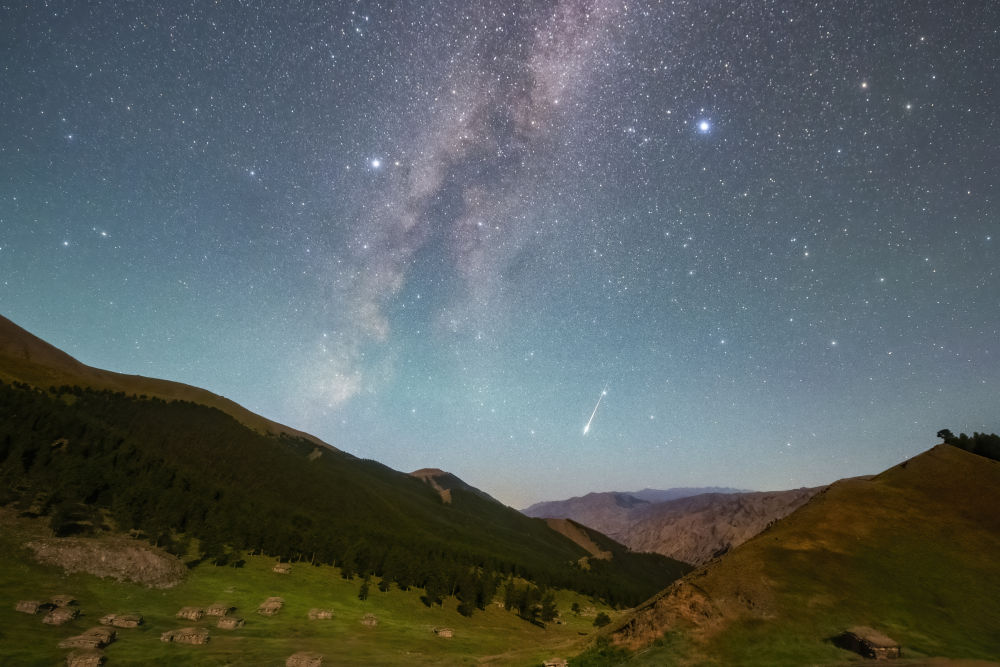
<point x="435" y="233"/>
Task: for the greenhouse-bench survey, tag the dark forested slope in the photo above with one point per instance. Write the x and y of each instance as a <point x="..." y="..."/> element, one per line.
<point x="169" y="468"/>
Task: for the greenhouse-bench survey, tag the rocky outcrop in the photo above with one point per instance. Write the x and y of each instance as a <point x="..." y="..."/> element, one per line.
<point x="118" y="558"/>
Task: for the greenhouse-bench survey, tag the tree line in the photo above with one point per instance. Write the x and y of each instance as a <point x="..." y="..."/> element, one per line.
<point x="983" y="444"/>
<point x="179" y="471"/>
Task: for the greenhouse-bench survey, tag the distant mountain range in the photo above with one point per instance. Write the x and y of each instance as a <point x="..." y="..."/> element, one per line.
<point x="911" y="552"/>
<point x="692" y="525"/>
<point x="609" y="511"/>
<point x="87" y="447"/>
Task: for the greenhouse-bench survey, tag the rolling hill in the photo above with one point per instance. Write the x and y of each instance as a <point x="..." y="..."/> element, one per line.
<point x="911" y="552"/>
<point x="94" y="450"/>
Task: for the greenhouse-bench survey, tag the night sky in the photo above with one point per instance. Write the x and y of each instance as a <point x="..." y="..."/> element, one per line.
<point x="433" y="233"/>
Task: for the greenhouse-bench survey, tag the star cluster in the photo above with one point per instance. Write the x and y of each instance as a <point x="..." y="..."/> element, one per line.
<point x="431" y="233"/>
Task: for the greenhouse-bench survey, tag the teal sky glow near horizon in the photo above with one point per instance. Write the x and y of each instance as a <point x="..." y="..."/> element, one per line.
<point x="432" y="234"/>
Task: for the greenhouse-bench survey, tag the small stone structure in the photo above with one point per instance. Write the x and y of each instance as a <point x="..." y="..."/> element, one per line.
<point x="219" y="609"/>
<point x="122" y="620"/>
<point x="369" y="620"/>
<point x="186" y="636"/>
<point x="191" y="613"/>
<point x="271" y="606"/>
<point x="320" y="614"/>
<point x="230" y="622"/>
<point x="282" y="568"/>
<point x="556" y="662"/>
<point x="447" y="633"/>
<point x="304" y="659"/>
<point x="868" y="642"/>
<point x="60" y="615"/>
<point x="85" y="658"/>
<point x="94" y="638"/>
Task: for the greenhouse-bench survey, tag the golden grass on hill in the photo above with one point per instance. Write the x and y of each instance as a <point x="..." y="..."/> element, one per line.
<point x="911" y="552"/>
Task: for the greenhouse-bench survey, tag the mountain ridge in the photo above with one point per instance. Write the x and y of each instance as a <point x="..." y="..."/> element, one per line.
<point x="24" y="357"/>
<point x="692" y="527"/>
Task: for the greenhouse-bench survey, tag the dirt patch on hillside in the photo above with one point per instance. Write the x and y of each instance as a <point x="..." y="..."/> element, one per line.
<point x="119" y="558"/>
<point x="575" y="533"/>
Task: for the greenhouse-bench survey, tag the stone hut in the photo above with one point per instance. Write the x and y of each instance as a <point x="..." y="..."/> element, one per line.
<point x="282" y="568"/>
<point x="369" y="620"/>
<point x="869" y="643"/>
<point x="62" y="600"/>
<point x="271" y="606"/>
<point x="320" y="614"/>
<point x="230" y="623"/>
<point x="219" y="609"/>
<point x="191" y="613"/>
<point x="446" y="633"/>
<point x="85" y="658"/>
<point x="94" y="638"/>
<point x="60" y="615"/>
<point x="304" y="659"/>
<point x="122" y="620"/>
<point x="186" y="636"/>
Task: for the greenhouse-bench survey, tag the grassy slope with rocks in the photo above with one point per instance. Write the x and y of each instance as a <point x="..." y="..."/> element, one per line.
<point x="911" y="552"/>
<point x="404" y="634"/>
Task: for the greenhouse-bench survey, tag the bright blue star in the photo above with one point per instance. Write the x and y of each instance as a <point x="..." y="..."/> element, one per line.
<point x="704" y="126"/>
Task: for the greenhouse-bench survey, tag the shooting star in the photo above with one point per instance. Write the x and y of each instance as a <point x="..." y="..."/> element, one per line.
<point x="604" y="392"/>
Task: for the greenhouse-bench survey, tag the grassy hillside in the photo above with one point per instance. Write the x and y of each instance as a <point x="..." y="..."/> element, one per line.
<point x="182" y="468"/>
<point x="911" y="552"/>
<point x="404" y="634"/>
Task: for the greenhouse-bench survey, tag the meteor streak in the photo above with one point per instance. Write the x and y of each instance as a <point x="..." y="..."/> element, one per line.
<point x="604" y="392"/>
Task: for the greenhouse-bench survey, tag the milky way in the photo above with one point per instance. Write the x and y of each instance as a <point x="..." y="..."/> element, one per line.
<point x="430" y="233"/>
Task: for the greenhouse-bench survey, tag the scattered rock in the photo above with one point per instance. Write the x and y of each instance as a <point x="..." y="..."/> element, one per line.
<point x="93" y="638"/>
<point x="320" y="614"/>
<point x="282" y="568"/>
<point x="868" y="642"/>
<point x="60" y="615"/>
<point x="32" y="606"/>
<point x="119" y="558"/>
<point x="122" y="620"/>
<point x="191" y="613"/>
<point x="219" y="609"/>
<point x="186" y="636"/>
<point x="271" y="606"/>
<point x="447" y="633"/>
<point x="85" y="658"/>
<point x="556" y="662"/>
<point x="62" y="600"/>
<point x="369" y="620"/>
<point x="304" y="659"/>
<point x="230" y="622"/>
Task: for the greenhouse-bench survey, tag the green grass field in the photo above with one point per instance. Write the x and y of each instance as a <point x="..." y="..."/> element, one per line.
<point x="404" y="634"/>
